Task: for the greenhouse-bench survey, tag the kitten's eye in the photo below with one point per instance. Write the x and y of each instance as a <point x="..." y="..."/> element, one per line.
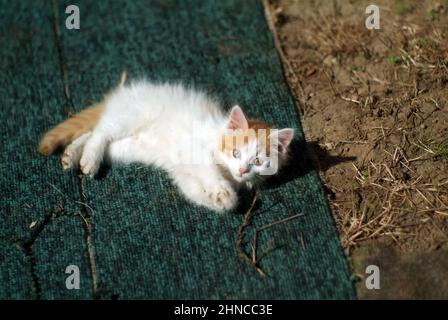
<point x="236" y="153"/>
<point x="258" y="162"/>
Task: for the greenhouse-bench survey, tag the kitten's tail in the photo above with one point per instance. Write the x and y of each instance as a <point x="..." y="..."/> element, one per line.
<point x="70" y="129"/>
<point x="82" y="122"/>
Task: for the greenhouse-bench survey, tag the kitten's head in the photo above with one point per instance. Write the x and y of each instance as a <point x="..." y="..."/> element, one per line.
<point x="249" y="148"/>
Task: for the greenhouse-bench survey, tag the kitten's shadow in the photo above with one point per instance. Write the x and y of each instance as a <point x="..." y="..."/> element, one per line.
<point x="103" y="171"/>
<point x="305" y="156"/>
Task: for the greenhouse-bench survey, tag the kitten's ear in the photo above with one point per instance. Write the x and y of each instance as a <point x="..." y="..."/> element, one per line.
<point x="237" y="119"/>
<point x="285" y="137"/>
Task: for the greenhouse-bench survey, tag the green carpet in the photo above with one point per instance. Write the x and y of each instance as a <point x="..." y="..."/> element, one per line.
<point x="130" y="232"/>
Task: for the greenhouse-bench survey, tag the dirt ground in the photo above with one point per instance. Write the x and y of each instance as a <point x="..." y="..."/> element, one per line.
<point x="374" y="108"/>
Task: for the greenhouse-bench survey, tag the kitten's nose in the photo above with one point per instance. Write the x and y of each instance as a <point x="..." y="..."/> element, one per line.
<point x="243" y="171"/>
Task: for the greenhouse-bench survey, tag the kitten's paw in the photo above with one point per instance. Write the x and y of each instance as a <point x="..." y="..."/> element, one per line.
<point x="68" y="160"/>
<point x="72" y="153"/>
<point x="222" y="197"/>
<point x="89" y="164"/>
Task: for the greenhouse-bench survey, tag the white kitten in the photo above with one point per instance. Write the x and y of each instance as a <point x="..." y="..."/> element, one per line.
<point x="207" y="153"/>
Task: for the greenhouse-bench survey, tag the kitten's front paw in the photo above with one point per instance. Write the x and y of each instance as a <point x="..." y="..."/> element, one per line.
<point x="222" y="197"/>
<point x="89" y="164"/>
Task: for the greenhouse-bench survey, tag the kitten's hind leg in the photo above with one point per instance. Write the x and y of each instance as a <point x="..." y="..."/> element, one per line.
<point x="72" y="153"/>
<point x="93" y="154"/>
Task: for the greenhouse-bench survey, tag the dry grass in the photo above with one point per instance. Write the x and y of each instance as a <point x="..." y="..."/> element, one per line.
<point x="395" y="79"/>
<point x="387" y="200"/>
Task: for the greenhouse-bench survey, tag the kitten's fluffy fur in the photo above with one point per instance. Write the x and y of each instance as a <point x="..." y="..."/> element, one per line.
<point x="167" y="125"/>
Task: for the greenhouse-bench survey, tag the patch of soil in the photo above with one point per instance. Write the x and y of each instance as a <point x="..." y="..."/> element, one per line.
<point x="417" y="275"/>
<point x="378" y="98"/>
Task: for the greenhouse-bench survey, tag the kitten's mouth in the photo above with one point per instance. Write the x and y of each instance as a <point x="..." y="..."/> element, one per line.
<point x="242" y="176"/>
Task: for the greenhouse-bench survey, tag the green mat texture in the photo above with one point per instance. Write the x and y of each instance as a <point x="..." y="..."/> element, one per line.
<point x="129" y="232"/>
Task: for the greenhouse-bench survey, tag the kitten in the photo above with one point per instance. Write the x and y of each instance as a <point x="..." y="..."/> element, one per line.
<point x="209" y="155"/>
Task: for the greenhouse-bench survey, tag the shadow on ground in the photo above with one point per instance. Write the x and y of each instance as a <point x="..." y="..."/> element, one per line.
<point x="305" y="157"/>
<point x="420" y="275"/>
